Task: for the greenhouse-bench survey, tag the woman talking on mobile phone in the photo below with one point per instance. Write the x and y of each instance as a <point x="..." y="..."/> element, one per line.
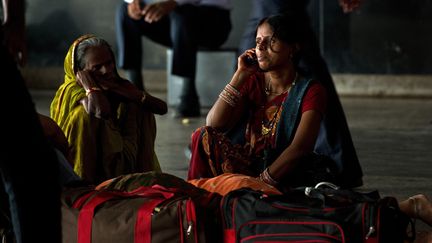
<point x="266" y="120"/>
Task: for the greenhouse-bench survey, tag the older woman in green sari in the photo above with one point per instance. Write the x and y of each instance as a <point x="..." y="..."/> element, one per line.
<point x="109" y="123"/>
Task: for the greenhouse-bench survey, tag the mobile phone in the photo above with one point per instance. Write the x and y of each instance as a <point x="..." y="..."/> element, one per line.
<point x="251" y="60"/>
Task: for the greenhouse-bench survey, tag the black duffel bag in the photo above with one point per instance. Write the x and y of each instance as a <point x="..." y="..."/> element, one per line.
<point x="314" y="214"/>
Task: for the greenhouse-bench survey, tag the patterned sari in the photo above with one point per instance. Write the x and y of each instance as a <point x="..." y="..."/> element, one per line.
<point x="103" y="148"/>
<point x="263" y="133"/>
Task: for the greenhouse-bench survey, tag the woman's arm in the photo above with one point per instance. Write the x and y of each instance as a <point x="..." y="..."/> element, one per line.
<point x="224" y="114"/>
<point x="129" y="91"/>
<point x="96" y="103"/>
<point x="302" y="144"/>
<point x="313" y="108"/>
<point x="228" y="108"/>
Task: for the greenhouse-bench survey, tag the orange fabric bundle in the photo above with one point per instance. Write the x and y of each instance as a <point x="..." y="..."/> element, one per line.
<point x="227" y="182"/>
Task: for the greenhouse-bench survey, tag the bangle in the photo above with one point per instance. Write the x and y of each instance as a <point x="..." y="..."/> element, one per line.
<point x="231" y="89"/>
<point x="266" y="177"/>
<point x="92" y="89"/>
<point x="224" y="95"/>
<point x="143" y="97"/>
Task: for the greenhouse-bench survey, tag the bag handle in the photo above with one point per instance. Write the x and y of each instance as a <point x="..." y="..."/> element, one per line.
<point x="326" y="183"/>
<point x="313" y="192"/>
<point x="324" y="190"/>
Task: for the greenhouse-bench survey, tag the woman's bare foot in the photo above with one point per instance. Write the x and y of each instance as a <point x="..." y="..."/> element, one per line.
<point x="418" y="207"/>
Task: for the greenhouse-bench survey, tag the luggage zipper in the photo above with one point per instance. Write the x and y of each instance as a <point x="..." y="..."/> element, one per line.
<point x="166" y="203"/>
<point x="191" y="219"/>
<point x="189" y="229"/>
<point x="372" y="228"/>
<point x="190" y="213"/>
<point x="190" y="216"/>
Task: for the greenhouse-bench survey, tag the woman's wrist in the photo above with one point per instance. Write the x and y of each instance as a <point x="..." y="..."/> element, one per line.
<point x="92" y="89"/>
<point x="238" y="79"/>
<point x="267" y="178"/>
<point x="230" y="95"/>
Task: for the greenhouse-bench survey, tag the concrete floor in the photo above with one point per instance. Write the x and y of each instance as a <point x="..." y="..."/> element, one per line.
<point x="393" y="138"/>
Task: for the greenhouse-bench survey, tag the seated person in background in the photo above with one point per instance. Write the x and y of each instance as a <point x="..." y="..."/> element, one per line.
<point x="266" y="120"/>
<point x="183" y="26"/>
<point x="109" y="123"/>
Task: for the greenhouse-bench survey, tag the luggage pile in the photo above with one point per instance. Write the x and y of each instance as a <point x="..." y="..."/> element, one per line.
<point x="141" y="208"/>
<point x="157" y="207"/>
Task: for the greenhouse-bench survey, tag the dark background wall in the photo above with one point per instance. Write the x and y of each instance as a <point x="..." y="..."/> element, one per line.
<point x="382" y="37"/>
<point x="53" y="25"/>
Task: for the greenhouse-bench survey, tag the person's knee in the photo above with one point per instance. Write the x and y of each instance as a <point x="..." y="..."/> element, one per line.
<point x="181" y="20"/>
<point x="122" y="10"/>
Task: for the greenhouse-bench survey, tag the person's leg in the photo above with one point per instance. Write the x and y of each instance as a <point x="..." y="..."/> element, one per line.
<point x="184" y="60"/>
<point x="129" y="46"/>
<point x="67" y="175"/>
<point x="213" y="153"/>
<point x="418" y="207"/>
<point x="128" y="35"/>
<point x="147" y="158"/>
<point x="138" y="129"/>
<point x="199" y="166"/>
<point x="193" y="27"/>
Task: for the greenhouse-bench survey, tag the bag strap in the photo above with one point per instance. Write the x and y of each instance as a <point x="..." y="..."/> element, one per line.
<point x="78" y="203"/>
<point x="143" y="222"/>
<point x="85" y="217"/>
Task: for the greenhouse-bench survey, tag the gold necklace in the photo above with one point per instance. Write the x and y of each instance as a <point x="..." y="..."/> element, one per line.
<point x="268" y="89"/>
<point x="267" y="128"/>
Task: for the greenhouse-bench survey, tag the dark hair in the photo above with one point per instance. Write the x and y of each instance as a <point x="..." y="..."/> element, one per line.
<point x="289" y="28"/>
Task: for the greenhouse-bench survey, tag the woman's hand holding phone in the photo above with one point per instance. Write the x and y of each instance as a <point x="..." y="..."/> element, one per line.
<point x="248" y="60"/>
